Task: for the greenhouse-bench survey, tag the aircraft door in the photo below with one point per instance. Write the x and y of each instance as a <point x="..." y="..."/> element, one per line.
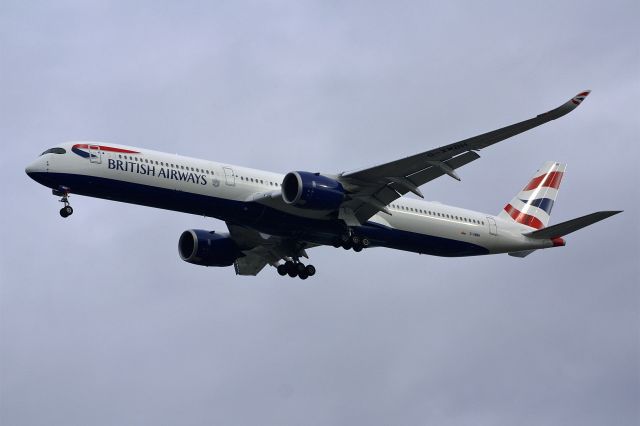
<point x="94" y="154"/>
<point x="229" y="176"/>
<point x="493" y="227"/>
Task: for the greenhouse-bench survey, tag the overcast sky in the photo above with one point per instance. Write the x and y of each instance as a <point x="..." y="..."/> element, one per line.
<point x="101" y="323"/>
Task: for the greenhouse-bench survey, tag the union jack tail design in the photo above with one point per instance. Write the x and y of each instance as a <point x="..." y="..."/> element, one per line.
<point x="532" y="206"/>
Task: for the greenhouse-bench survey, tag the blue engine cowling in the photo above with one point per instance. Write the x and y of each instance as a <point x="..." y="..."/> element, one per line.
<point x="206" y="248"/>
<point x="312" y="191"/>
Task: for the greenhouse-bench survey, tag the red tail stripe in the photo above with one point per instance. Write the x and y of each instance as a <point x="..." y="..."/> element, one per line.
<point x="551" y="180"/>
<point x="523" y="218"/>
<point x="105" y="148"/>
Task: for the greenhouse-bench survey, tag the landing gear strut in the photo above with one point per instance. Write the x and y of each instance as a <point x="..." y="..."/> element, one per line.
<point x="296" y="269"/>
<point x="67" y="210"/>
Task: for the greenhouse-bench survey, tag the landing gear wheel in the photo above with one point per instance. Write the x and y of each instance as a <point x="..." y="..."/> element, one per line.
<point x="66" y="211"/>
<point x="346" y="245"/>
<point x="282" y="270"/>
<point x="296" y="268"/>
<point x="300" y="269"/>
<point x="355" y="240"/>
<point x="291" y="268"/>
<point x="357" y="248"/>
<point x="365" y="242"/>
<point x="310" y="270"/>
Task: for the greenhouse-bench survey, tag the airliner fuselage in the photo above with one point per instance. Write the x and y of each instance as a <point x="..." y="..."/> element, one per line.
<point x="274" y="217"/>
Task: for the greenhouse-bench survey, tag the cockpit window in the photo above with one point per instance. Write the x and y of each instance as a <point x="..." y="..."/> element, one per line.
<point x="54" y="151"/>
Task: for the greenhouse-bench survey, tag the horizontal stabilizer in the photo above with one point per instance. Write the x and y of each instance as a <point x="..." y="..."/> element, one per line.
<point x="521" y="254"/>
<point x="565" y="228"/>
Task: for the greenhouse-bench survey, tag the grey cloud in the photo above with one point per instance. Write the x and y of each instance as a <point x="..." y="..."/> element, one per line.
<point x="101" y="323"/>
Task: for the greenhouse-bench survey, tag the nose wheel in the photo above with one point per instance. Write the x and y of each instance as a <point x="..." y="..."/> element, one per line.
<point x="67" y="210"/>
<point x="296" y="269"/>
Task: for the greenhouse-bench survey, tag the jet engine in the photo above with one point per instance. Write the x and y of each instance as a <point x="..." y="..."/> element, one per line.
<point x="312" y="191"/>
<point x="206" y="248"/>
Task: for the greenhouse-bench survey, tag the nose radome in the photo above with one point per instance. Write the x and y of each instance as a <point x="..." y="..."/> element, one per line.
<point x="33" y="168"/>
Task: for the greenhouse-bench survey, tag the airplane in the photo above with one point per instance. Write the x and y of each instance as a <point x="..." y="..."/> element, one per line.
<point x="273" y="219"/>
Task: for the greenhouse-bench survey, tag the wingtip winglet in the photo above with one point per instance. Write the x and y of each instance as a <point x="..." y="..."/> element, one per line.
<point x="566" y="107"/>
<point x="577" y="99"/>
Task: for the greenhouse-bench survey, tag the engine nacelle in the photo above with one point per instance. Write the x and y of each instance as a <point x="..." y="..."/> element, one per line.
<point x="312" y="191"/>
<point x="206" y="248"/>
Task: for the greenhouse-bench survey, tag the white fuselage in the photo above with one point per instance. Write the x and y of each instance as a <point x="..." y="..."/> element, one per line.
<point x="228" y="192"/>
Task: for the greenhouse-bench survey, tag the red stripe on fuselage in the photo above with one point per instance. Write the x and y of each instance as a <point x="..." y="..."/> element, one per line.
<point x="105" y="148"/>
<point x="551" y="180"/>
<point x="523" y="218"/>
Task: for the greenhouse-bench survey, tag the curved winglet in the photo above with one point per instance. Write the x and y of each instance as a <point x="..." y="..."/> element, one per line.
<point x="566" y="107"/>
<point x="577" y="100"/>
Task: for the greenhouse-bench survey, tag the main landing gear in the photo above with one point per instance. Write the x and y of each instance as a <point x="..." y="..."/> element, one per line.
<point x="67" y="210"/>
<point x="296" y="269"/>
<point x="351" y="241"/>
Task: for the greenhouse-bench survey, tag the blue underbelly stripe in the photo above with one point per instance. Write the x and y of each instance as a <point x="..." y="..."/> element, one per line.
<point x="257" y="216"/>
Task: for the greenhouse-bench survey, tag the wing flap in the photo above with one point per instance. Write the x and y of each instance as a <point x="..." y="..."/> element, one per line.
<point x="260" y="249"/>
<point x="389" y="189"/>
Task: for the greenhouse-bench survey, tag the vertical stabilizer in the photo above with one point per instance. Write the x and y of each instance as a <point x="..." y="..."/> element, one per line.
<point x="532" y="206"/>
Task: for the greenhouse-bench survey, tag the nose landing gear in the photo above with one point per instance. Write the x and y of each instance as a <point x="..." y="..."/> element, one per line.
<point x="67" y="210"/>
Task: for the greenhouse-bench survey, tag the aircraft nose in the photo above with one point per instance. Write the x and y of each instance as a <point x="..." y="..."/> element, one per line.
<point x="34" y="168"/>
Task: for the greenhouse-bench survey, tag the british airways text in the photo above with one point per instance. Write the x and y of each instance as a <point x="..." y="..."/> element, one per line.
<point x="163" y="172"/>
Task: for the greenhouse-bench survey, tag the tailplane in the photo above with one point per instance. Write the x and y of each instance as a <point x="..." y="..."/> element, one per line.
<point x="564" y="228"/>
<point x="532" y="206"/>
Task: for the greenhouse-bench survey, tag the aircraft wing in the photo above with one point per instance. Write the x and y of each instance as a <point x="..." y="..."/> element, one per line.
<point x="261" y="250"/>
<point x="372" y="189"/>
